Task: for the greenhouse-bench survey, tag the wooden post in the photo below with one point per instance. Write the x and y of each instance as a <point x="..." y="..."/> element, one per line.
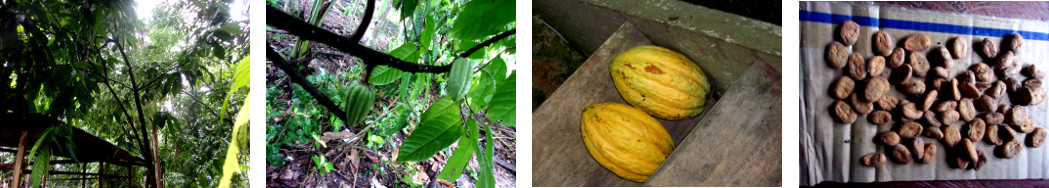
<point x="101" y="171"/>
<point x="19" y="160"/>
<point x="129" y="178"/>
<point x="83" y="182"/>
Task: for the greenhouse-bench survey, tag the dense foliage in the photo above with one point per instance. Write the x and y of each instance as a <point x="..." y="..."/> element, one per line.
<point x="148" y="86"/>
<point x="451" y="78"/>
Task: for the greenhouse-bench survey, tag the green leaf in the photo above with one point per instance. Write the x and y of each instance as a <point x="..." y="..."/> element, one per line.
<point x="497" y="69"/>
<point x="457" y="163"/>
<point x="439" y="128"/>
<point x="408" y="8"/>
<point x="41" y="166"/>
<point x="428" y="34"/>
<point x="481" y="93"/>
<point x="504" y="103"/>
<point x="485" y="179"/>
<point x="232" y="28"/>
<point x="403" y="88"/>
<point x="39" y="142"/>
<point x="460" y="77"/>
<point x="242" y="76"/>
<point x="382" y="75"/>
<point x="405" y="52"/>
<point x="231" y="165"/>
<point x="483" y="18"/>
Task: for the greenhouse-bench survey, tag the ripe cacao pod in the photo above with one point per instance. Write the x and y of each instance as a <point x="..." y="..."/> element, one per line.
<point x="661" y="82"/>
<point x="357" y="102"/>
<point x="625" y="140"/>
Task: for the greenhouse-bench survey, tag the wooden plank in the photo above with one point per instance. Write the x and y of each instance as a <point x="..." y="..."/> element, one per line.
<point x="19" y="160"/>
<point x="738" y="142"/>
<point x="558" y="154"/>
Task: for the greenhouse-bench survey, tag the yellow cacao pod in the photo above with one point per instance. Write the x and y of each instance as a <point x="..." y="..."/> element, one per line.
<point x="660" y="81"/>
<point x="625" y="140"/>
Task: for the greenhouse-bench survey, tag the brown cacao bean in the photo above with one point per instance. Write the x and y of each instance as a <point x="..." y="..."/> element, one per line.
<point x="919" y="63"/>
<point x="989" y="49"/>
<point x="1036" y="138"/>
<point x="873" y="159"/>
<point x="876" y="66"/>
<point x="966" y="109"/>
<point x="1032" y="72"/>
<point x="876" y="87"/>
<point x="859" y="106"/>
<point x="959" y="47"/>
<point x="887" y="102"/>
<point x="986" y="104"/>
<point x="879" y="117"/>
<point x="910" y="111"/>
<point x="949" y="117"/>
<point x="983" y="72"/>
<point x="991" y="136"/>
<point x="901" y="155"/>
<point x="945" y="105"/>
<point x="848" y="32"/>
<point x="976" y="129"/>
<point x="1016" y="116"/>
<point x="1015" y="42"/>
<point x="951" y="135"/>
<point x="917" y="42"/>
<point x="857" y="67"/>
<point x="909" y="130"/>
<point x="902" y="74"/>
<point x="843" y="112"/>
<point x="883" y="43"/>
<point x="897" y="58"/>
<point x="968" y="149"/>
<point x="1009" y="149"/>
<point x="913" y="87"/>
<point x="930" y="119"/>
<point x="930" y="98"/>
<point x="889" y="138"/>
<point x="933" y="132"/>
<point x="929" y="154"/>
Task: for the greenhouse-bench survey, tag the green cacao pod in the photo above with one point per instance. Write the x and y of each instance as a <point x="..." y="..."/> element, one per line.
<point x="357" y="102"/>
<point x="660" y="81"/>
<point x="459" y="78"/>
<point x="625" y="140"/>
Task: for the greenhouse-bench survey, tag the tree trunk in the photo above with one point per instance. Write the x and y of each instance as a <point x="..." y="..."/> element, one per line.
<point x="156" y="159"/>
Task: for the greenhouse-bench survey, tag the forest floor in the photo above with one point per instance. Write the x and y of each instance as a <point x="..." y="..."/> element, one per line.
<point x="357" y="165"/>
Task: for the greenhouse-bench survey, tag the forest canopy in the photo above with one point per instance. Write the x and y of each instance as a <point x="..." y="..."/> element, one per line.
<point x="161" y="87"/>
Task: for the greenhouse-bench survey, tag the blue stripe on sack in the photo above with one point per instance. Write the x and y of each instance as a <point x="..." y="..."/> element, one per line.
<point x="918" y="26"/>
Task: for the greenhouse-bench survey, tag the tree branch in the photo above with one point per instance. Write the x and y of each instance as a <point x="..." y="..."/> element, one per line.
<point x="367" y="20"/>
<point x="211" y="110"/>
<point x="298" y="78"/>
<point x="281" y="20"/>
<point x="490" y="41"/>
<point x="141" y="119"/>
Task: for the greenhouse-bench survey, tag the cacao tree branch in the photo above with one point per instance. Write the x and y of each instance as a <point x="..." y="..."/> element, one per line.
<point x="298" y="78"/>
<point x="367" y="20"/>
<point x="297" y="27"/>
<point x="142" y="120"/>
<point x="490" y="41"/>
<point x="281" y="20"/>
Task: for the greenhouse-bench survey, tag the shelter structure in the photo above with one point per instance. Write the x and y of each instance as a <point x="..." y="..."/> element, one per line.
<point x="18" y="133"/>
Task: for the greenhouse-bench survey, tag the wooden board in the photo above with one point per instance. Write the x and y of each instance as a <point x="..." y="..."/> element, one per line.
<point x="559" y="157"/>
<point x="737" y="143"/>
